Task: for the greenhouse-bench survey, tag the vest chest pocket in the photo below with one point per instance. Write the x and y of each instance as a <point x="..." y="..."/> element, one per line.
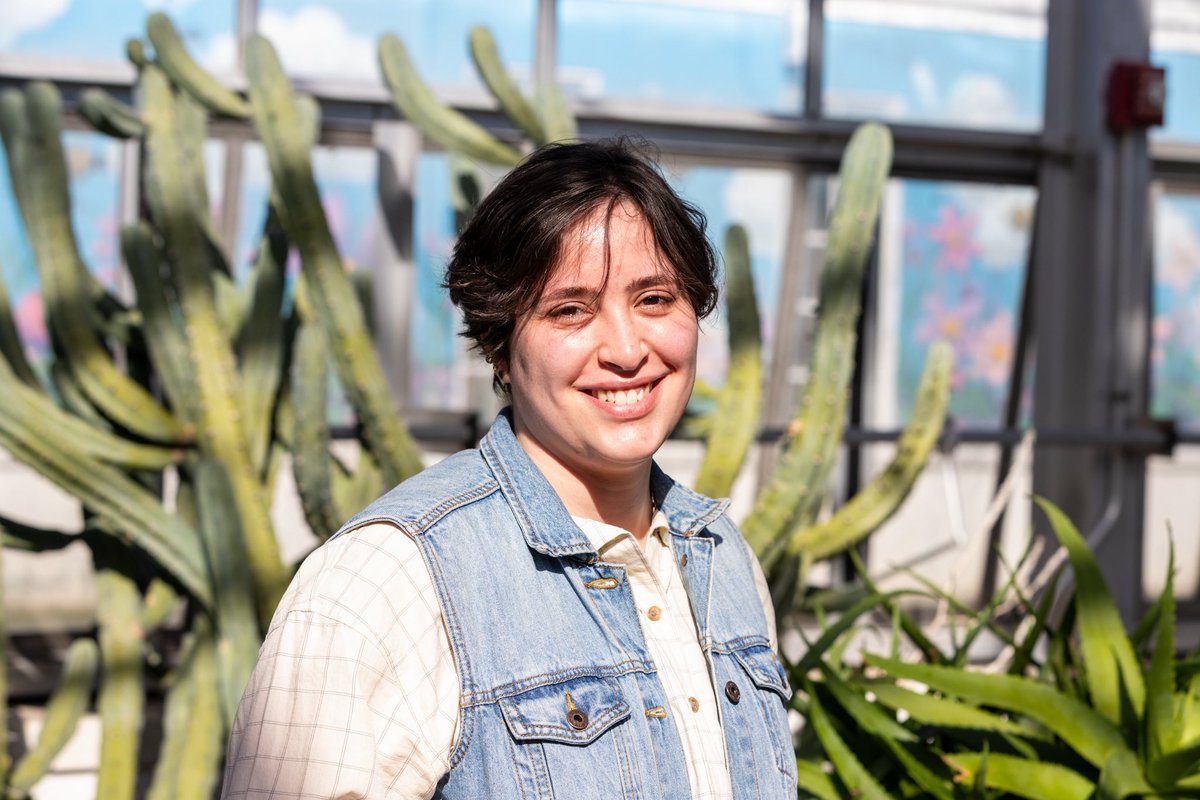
<point x="764" y="687"/>
<point x="568" y="740"/>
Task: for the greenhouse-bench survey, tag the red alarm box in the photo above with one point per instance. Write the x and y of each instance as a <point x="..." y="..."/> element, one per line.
<point x="1137" y="93"/>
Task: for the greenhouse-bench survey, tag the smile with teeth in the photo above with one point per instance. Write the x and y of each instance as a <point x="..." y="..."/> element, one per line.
<point x="624" y="397"/>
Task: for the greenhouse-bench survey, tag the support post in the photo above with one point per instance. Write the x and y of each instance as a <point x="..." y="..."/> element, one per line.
<point x="1092" y="298"/>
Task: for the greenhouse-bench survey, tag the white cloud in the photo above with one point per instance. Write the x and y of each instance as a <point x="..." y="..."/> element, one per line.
<point x="316" y="42"/>
<point x="981" y="100"/>
<point x="18" y="17"/>
<point x="1003" y="222"/>
<point x="758" y="199"/>
<point x="1176" y="246"/>
<point x="170" y="6"/>
<point x="924" y="83"/>
<point x="351" y="164"/>
<point x="312" y="42"/>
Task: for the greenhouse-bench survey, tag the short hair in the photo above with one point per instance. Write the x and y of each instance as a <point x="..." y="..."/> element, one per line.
<point x="504" y="256"/>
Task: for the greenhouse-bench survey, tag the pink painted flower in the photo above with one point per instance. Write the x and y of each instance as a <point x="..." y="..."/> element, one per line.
<point x="949" y="321"/>
<point x="954" y="232"/>
<point x="990" y="350"/>
<point x="1161" y="331"/>
<point x="30" y="317"/>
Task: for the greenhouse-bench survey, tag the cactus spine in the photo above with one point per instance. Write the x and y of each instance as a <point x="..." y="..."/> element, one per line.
<point x="735" y="420"/>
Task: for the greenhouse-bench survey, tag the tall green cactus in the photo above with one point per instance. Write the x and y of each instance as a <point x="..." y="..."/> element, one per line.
<point x="334" y="303"/>
<point x="220" y="423"/>
<point x="735" y="420"/>
<point x="31" y="128"/>
<point x="793" y="496"/>
<point x="546" y="119"/>
<point x="65" y="708"/>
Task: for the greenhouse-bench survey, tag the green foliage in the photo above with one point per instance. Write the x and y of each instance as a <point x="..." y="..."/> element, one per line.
<point x="1049" y="730"/>
<point x="204" y="393"/>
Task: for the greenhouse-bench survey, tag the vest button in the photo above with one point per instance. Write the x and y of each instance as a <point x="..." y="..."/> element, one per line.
<point x="577" y="719"/>
<point x="733" y="692"/>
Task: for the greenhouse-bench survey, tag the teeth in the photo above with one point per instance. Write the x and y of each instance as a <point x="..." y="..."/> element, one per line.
<point x="623" y="398"/>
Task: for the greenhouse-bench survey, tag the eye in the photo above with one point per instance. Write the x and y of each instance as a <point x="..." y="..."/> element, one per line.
<point x="567" y="312"/>
<point x="656" y="300"/>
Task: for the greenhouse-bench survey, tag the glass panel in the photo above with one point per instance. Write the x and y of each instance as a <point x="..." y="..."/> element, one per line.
<point x="1171" y="499"/>
<point x="1175" y="44"/>
<point x="325" y="39"/>
<point x="98" y="29"/>
<point x="94" y="163"/>
<point x="934" y="62"/>
<point x="757" y="199"/>
<point x="438" y="358"/>
<point x="711" y="52"/>
<point x="952" y="256"/>
<point x="1175" y="359"/>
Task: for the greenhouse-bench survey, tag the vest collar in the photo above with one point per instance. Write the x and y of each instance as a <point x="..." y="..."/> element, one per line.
<point x="544" y="520"/>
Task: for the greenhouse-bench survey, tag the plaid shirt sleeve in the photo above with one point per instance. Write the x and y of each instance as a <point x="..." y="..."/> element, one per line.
<point x="355" y="693"/>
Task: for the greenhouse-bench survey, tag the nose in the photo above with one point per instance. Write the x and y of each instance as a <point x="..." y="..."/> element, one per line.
<point x="622" y="345"/>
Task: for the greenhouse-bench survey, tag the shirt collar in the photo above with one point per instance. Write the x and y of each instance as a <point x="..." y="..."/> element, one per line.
<point x="543" y="519"/>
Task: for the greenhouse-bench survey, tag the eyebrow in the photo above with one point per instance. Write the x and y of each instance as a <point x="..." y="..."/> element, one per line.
<point x="588" y="292"/>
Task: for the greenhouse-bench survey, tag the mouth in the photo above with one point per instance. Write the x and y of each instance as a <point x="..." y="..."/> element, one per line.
<point x="624" y="397"/>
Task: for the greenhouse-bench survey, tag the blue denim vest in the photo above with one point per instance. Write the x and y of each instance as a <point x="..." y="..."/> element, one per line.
<point x="555" y="674"/>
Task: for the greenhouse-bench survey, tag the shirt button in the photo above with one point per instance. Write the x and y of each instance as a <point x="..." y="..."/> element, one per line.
<point x="733" y="692"/>
<point x="654" y="613"/>
<point x="694" y="703"/>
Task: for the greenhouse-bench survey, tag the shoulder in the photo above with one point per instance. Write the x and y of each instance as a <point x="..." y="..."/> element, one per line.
<point x="422" y="500"/>
<point x="373" y="580"/>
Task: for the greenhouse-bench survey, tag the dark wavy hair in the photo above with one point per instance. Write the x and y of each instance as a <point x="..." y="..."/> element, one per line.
<point x="506" y="253"/>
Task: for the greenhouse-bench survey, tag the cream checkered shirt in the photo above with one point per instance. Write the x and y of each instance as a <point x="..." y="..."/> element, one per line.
<point x="355" y="694"/>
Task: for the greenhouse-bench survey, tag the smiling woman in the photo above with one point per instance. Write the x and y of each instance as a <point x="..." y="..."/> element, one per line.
<point x="550" y="615"/>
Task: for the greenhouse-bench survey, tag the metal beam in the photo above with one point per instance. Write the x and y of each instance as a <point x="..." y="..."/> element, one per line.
<point x="1092" y="285"/>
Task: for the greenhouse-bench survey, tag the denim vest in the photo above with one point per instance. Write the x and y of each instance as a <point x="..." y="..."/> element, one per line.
<point x="553" y="668"/>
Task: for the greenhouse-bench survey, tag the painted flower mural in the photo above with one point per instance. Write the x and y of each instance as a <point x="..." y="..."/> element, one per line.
<point x="962" y="258"/>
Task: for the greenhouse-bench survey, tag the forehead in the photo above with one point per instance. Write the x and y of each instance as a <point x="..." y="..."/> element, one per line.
<point x="616" y="239"/>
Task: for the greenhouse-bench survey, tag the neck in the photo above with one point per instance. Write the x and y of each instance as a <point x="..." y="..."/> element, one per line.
<point x="620" y="497"/>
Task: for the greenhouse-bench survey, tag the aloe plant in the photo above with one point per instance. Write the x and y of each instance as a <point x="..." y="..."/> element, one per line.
<point x="1099" y="719"/>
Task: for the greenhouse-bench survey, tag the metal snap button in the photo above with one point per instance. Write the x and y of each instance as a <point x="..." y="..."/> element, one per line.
<point x="733" y="692"/>
<point x="577" y="719"/>
<point x="683" y="561"/>
<point x="654" y="613"/>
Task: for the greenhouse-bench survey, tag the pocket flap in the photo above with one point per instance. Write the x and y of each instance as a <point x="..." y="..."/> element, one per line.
<point x="765" y="669"/>
<point x="575" y="711"/>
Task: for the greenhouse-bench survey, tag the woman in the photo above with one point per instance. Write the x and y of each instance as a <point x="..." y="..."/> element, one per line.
<point x="549" y="616"/>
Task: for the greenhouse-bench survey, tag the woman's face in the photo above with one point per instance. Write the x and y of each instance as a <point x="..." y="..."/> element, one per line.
<point x="601" y="369"/>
